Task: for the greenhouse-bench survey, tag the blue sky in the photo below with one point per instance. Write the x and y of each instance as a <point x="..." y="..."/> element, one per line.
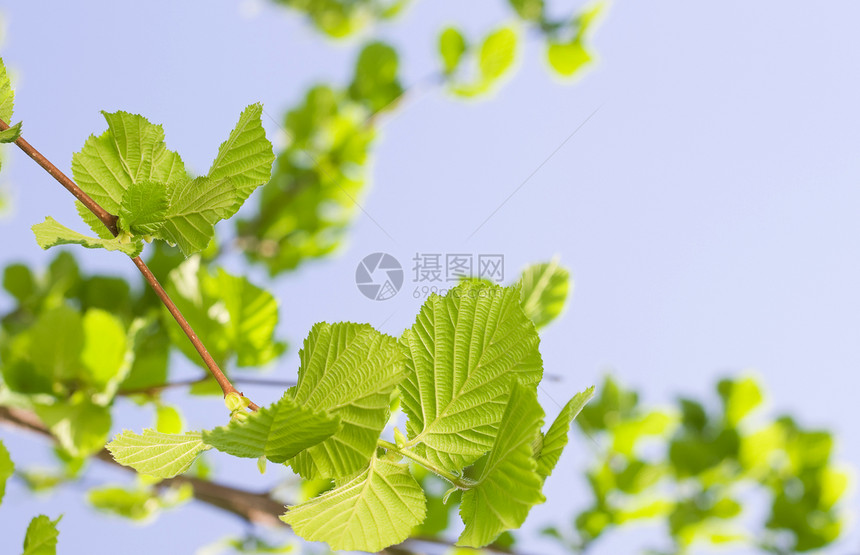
<point x="707" y="211"/>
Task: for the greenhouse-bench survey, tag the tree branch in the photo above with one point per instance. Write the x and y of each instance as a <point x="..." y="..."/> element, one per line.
<point x="109" y="220"/>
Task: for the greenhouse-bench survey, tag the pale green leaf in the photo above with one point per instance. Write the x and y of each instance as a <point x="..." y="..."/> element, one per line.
<point x="452" y="46"/>
<point x="92" y="221"/>
<point x="278" y="432"/>
<point x="7" y="467"/>
<point x="105" y="347"/>
<point x="374" y="510"/>
<point x="135" y="504"/>
<point x="462" y="352"/>
<point x="56" y="344"/>
<point x="157" y="454"/>
<point x="246" y="157"/>
<point x="51" y="233"/>
<point x="80" y="426"/>
<point x="545" y="289"/>
<point x="230" y="314"/>
<point x="195" y="207"/>
<point x="567" y="58"/>
<point x="548" y="447"/>
<point x="132" y="150"/>
<point x="144" y="207"/>
<point x="41" y="538"/>
<point x="7" y="95"/>
<point x="508" y="482"/>
<point x="348" y="370"/>
<point x="11" y="135"/>
<point x="530" y="10"/>
<point x="168" y="420"/>
<point x="497" y="53"/>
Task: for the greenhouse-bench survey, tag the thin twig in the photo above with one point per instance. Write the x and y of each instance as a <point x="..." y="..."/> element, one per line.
<point x="109" y="220"/>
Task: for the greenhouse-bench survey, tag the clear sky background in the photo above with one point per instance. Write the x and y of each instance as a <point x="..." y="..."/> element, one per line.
<point x="708" y="211"/>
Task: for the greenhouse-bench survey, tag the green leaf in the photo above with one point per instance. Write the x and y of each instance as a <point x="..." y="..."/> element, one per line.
<point x="144" y="207"/>
<point x="157" y="454"/>
<point x="740" y="398"/>
<point x="134" y="504"/>
<point x="229" y="313"/>
<point x="278" y="432"/>
<point x="544" y="292"/>
<point x="168" y="420"/>
<point x="497" y="54"/>
<point x="7" y="95"/>
<point x="508" y="481"/>
<point x="10" y="135"/>
<point x="553" y="443"/>
<point x="375" y="81"/>
<point x="348" y="370"/>
<point x="452" y="46"/>
<point x="130" y="151"/>
<point x="7" y="467"/>
<point x="80" y="426"/>
<point x="530" y="10"/>
<point x="56" y="344"/>
<point x="41" y="538"/>
<point x="51" y="233"/>
<point x="567" y="58"/>
<point x="195" y="207"/>
<point x="374" y="510"/>
<point x="92" y="221"/>
<point x="105" y="348"/>
<point x="245" y="158"/>
<point x="462" y="352"/>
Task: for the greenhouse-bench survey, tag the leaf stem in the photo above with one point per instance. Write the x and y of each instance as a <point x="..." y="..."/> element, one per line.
<point x="460" y="483"/>
<point x="109" y="220"/>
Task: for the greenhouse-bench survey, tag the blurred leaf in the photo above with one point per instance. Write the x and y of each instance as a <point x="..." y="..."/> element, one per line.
<point x="41" y="538"/>
<point x="80" y="426"/>
<point x="567" y="58"/>
<point x="544" y="292"/>
<point x="133" y="504"/>
<point x="452" y="46"/>
<point x="375" y="81"/>
<point x="497" y="53"/>
<point x="6" y="469"/>
<point x="168" y="420"/>
<point x="530" y="10"/>
<point x="740" y="398"/>
<point x="231" y="315"/>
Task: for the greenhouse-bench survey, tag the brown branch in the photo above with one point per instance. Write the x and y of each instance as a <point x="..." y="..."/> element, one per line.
<point x="109" y="220"/>
<point x="257" y="508"/>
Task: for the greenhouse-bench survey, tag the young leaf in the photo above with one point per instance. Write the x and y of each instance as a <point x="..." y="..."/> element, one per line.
<point x="278" y="432"/>
<point x="497" y="54"/>
<point x="41" y="538"/>
<point x="7" y="95"/>
<point x="508" y="482"/>
<point x="462" y="352"/>
<point x="51" y="233"/>
<point x="230" y="314"/>
<point x="544" y="291"/>
<point x="348" y="370"/>
<point x="157" y="454"/>
<point x="374" y="510"/>
<point x="452" y="46"/>
<point x="6" y="469"/>
<point x="80" y="426"/>
<point x="548" y="447"/>
<point x="132" y="150"/>
<point x="11" y="135"/>
<point x="246" y="157"/>
<point x="195" y="207"/>
<point x="567" y="58"/>
<point x="143" y="208"/>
